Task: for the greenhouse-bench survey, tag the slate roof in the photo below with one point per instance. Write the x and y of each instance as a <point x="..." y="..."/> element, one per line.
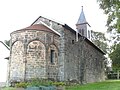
<point x="38" y="27"/>
<point x="41" y="27"/>
<point x="82" y="18"/>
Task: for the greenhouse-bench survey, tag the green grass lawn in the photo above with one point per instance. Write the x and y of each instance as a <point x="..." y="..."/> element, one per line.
<point x="106" y="85"/>
<point x="8" y="88"/>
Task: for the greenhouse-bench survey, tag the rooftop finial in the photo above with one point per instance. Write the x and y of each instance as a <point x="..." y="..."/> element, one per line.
<point x="82" y="8"/>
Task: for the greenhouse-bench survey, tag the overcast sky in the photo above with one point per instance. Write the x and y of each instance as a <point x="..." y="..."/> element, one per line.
<point x="18" y="14"/>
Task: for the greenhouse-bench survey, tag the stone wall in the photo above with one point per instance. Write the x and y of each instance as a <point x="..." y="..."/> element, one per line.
<point x="94" y="64"/>
<point x="83" y="61"/>
<point x="17" y="64"/>
<point x="60" y="29"/>
<point x="36" y="60"/>
<point x="71" y="56"/>
<point x="30" y="55"/>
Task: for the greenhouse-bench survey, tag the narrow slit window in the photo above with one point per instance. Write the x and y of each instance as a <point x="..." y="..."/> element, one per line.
<point x="73" y="42"/>
<point x="83" y="32"/>
<point x="52" y="56"/>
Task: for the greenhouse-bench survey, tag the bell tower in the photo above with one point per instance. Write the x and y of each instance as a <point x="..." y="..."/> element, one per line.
<point x="82" y="25"/>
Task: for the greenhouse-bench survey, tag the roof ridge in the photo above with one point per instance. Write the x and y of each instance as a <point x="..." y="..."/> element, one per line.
<point x="56" y="21"/>
<point x="50" y="28"/>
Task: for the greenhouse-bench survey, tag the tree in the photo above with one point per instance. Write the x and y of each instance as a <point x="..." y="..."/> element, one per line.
<point x="112" y="9"/>
<point x="99" y="40"/>
<point x="115" y="56"/>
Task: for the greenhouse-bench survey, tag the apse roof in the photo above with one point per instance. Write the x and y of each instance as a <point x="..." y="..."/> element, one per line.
<point x="38" y="27"/>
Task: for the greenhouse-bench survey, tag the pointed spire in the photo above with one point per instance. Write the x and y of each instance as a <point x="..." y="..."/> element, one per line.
<point x="82" y="25"/>
<point x="82" y="18"/>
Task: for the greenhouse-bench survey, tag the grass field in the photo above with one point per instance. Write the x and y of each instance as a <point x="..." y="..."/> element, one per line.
<point x="106" y="85"/>
<point x="8" y="88"/>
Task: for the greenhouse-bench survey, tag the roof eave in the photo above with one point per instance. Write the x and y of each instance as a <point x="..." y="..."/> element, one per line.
<point x="95" y="46"/>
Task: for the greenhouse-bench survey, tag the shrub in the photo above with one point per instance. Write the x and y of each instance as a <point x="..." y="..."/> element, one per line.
<point x="58" y="83"/>
<point x="34" y="82"/>
<point x="21" y="85"/>
<point x="39" y="82"/>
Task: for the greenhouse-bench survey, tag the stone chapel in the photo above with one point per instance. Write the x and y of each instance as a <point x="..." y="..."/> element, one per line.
<point x="52" y="50"/>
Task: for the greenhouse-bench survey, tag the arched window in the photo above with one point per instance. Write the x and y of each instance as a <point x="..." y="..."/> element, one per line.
<point x="82" y="32"/>
<point x="52" y="56"/>
<point x="36" y="49"/>
<point x="17" y="61"/>
<point x="36" y="57"/>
